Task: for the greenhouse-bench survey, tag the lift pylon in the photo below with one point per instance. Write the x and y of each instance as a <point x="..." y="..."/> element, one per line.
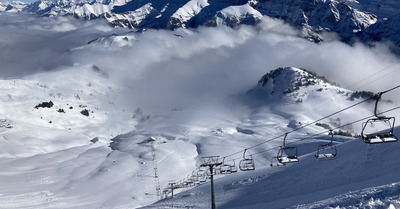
<point x="152" y="141"/>
<point x="211" y="162"/>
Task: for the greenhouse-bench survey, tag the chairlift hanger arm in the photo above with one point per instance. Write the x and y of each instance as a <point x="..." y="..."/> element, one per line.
<point x="331" y="133"/>
<point x="376" y="103"/>
<point x="284" y="140"/>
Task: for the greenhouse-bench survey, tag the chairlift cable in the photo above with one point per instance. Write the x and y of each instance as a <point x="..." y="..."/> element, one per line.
<point x="385" y="75"/>
<point x="398" y="107"/>
<point x="330" y="115"/>
<point x="356" y="121"/>
<point x="374" y="74"/>
<point x="347" y="124"/>
<point x="337" y="112"/>
<point x="301" y="127"/>
<point x="390" y="89"/>
<point x="320" y="134"/>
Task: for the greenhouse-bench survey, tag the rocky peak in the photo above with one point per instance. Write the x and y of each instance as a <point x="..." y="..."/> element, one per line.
<point x="289" y="79"/>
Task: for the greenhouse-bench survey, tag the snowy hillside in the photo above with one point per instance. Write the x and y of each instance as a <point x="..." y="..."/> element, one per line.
<point x="98" y="117"/>
<point x="359" y="168"/>
<point x="85" y="167"/>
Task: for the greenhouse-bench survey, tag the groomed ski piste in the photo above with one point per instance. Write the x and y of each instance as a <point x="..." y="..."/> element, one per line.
<point x="367" y="172"/>
<point x="136" y="110"/>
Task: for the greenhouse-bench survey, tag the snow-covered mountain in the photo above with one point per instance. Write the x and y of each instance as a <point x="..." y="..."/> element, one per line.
<point x="44" y="118"/>
<point x="15" y="6"/>
<point x="384" y="31"/>
<point x="98" y="117"/>
<point x="349" y="19"/>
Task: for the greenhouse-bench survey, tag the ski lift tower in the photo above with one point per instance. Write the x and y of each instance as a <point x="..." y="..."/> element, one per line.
<point x="152" y="141"/>
<point x="211" y="162"/>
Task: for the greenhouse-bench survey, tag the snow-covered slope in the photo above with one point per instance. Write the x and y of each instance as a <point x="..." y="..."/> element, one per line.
<point x="359" y="168"/>
<point x="86" y="171"/>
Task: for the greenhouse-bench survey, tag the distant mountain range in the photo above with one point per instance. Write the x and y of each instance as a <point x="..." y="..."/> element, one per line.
<point x="367" y="20"/>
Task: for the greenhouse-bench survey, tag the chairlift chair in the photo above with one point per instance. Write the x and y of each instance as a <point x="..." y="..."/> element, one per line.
<point x="184" y="183"/>
<point x="177" y="186"/>
<point x="194" y="178"/>
<point x="247" y="163"/>
<point x="233" y="167"/>
<point x="201" y="176"/>
<point x="181" y="184"/>
<point x="225" y="168"/>
<point x="378" y="129"/>
<point x="208" y="173"/>
<point x="189" y="181"/>
<point x="327" y="151"/>
<point x="217" y="170"/>
<point x="287" y="154"/>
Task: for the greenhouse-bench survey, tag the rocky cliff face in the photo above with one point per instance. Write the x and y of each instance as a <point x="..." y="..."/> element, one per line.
<point x="318" y="15"/>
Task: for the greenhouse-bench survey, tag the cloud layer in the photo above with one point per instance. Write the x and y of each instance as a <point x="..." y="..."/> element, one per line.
<point x="188" y="67"/>
<point x="30" y="44"/>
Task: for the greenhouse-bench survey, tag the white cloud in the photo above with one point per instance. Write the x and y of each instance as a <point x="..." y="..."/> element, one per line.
<point x="30" y="44"/>
<point x="187" y="67"/>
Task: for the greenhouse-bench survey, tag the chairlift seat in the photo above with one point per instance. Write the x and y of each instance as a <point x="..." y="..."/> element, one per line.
<point x="326" y="151"/>
<point x="324" y="156"/>
<point x="379" y="136"/>
<point x="233" y="169"/>
<point x="288" y="159"/>
<point x="201" y="176"/>
<point x="246" y="165"/>
<point x="275" y="162"/>
<point x="226" y="169"/>
<point x="287" y="155"/>
<point x="193" y="177"/>
<point x="202" y="180"/>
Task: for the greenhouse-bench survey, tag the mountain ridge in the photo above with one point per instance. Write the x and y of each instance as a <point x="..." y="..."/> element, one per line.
<point x="350" y="19"/>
